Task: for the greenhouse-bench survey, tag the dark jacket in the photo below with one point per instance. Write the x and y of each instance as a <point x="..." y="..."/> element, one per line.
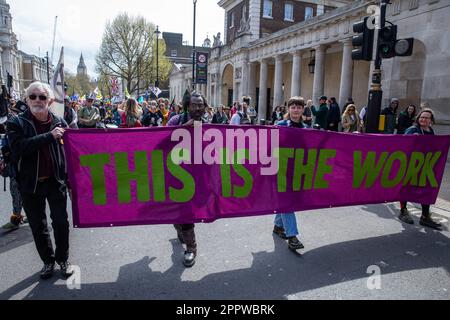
<point x="390" y="120"/>
<point x="417" y="130"/>
<point x="220" y="118"/>
<point x="334" y="116"/>
<point x="25" y="144"/>
<point x="289" y="123"/>
<point x="151" y="119"/>
<point x="404" y="122"/>
<point x="321" y="116"/>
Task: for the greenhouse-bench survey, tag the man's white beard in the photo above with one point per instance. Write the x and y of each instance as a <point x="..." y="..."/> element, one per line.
<point x="39" y="111"/>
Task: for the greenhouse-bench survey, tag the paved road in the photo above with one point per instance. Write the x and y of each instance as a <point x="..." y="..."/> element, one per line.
<point x="241" y="259"/>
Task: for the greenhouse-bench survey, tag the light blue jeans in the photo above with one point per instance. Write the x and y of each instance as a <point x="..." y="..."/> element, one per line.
<point x="288" y="222"/>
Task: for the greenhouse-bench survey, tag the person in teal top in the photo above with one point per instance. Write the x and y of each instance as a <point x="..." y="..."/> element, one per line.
<point x="321" y="115"/>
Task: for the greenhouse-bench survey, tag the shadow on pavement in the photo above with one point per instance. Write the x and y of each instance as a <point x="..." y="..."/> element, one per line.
<point x="393" y="213"/>
<point x="10" y="240"/>
<point x="272" y="275"/>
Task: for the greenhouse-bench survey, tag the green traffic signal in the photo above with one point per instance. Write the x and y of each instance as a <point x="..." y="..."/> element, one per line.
<point x="387" y="39"/>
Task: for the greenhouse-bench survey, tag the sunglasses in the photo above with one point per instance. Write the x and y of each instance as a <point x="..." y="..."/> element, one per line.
<point x="34" y="97"/>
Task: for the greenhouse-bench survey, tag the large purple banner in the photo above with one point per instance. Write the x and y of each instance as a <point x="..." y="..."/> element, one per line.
<point x="204" y="173"/>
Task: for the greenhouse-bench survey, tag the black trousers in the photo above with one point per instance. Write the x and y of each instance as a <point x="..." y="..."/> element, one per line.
<point x="187" y="233"/>
<point x="34" y="205"/>
<point x="425" y="209"/>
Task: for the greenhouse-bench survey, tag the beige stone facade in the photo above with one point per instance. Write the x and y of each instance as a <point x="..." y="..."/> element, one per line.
<point x="9" y="55"/>
<point x="272" y="68"/>
<point x="33" y="69"/>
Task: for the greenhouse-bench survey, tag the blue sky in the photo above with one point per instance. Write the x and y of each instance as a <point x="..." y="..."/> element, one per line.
<point x="81" y="23"/>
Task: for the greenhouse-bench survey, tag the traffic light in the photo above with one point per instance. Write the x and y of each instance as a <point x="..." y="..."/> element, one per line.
<point x="389" y="46"/>
<point x="404" y="47"/>
<point x="386" y="42"/>
<point x="364" y="40"/>
<point x="65" y="87"/>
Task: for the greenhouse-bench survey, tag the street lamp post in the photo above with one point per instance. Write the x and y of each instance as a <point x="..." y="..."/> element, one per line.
<point x="138" y="75"/>
<point x="193" y="47"/>
<point x="157" y="57"/>
<point x="48" y="70"/>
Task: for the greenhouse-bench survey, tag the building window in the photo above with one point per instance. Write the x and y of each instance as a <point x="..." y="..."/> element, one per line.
<point x="232" y="20"/>
<point x="173" y="53"/>
<point x="309" y="13"/>
<point x="289" y="12"/>
<point x="268" y="13"/>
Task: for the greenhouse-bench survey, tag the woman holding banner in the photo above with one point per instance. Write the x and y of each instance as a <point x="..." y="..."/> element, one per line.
<point x="424" y="120"/>
<point x="286" y="223"/>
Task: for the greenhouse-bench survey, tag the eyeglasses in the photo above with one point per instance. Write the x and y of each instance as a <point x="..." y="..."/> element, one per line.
<point x="34" y="97"/>
<point x="197" y="106"/>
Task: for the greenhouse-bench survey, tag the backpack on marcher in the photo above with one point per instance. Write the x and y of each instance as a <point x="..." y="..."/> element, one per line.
<point x="244" y="119"/>
<point x="5" y="157"/>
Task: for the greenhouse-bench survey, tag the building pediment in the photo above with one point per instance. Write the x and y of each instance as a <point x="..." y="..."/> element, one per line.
<point x="228" y="4"/>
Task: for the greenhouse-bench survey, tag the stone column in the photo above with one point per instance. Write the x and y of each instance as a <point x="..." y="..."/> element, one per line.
<point x="218" y="89"/>
<point x="252" y="82"/>
<point x="188" y="85"/>
<point x="296" y="73"/>
<point x="236" y="87"/>
<point x="245" y="78"/>
<point x="278" y="82"/>
<point x="319" y="74"/>
<point x="207" y="91"/>
<point x="262" y="110"/>
<point x="345" y="90"/>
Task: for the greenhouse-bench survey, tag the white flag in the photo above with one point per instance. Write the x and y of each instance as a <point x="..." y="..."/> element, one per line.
<point x="57" y="84"/>
<point x="15" y="95"/>
<point x="156" y="91"/>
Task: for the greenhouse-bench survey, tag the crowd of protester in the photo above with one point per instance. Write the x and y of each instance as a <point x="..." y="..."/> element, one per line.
<point x="31" y="133"/>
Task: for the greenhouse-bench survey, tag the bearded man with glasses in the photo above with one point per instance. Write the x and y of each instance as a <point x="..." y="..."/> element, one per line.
<point x="39" y="167"/>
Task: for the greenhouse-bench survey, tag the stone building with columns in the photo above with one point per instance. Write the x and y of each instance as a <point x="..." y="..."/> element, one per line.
<point x="308" y="53"/>
<point x="9" y="55"/>
<point x="33" y="69"/>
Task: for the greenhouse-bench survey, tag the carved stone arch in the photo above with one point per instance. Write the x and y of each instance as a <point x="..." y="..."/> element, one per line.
<point x="227" y="77"/>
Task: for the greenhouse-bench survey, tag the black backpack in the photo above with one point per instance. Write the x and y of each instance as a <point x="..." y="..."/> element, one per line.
<point x="5" y="158"/>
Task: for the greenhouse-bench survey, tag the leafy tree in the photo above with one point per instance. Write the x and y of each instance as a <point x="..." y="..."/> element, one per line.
<point x="128" y="51"/>
<point x="78" y="84"/>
